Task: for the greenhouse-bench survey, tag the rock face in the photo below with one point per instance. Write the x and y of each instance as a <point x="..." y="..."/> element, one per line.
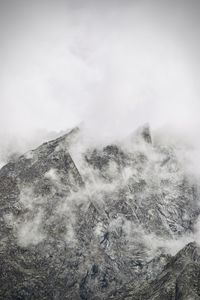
<point x="97" y="225"/>
<point x="180" y="279"/>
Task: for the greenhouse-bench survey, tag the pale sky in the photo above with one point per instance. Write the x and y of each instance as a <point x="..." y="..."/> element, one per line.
<point x="113" y="65"/>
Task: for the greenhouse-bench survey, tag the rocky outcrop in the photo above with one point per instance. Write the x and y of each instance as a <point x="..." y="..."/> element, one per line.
<point x="99" y="227"/>
<point x="180" y="279"/>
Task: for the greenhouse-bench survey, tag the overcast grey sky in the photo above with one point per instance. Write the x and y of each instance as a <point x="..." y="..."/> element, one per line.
<point x="111" y="64"/>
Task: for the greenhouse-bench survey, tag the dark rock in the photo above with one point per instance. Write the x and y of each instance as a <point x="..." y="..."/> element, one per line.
<point x="86" y="233"/>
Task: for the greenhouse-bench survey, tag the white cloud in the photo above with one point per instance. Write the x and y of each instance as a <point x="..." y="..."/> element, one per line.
<point x="112" y="66"/>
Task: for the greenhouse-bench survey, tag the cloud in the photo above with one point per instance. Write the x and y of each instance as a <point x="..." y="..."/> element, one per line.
<point x="109" y="65"/>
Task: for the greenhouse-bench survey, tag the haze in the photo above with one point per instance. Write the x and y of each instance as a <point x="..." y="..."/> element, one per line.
<point x="112" y="65"/>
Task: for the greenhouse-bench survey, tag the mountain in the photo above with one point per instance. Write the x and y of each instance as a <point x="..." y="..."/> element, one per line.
<point x="85" y="222"/>
<point x="180" y="279"/>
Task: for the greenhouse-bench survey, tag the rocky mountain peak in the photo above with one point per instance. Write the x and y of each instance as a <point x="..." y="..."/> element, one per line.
<point x="95" y="225"/>
<point x="144" y="133"/>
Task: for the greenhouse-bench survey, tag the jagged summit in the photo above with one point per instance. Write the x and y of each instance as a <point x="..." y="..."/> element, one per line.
<point x="89" y="226"/>
<point x="145" y="133"/>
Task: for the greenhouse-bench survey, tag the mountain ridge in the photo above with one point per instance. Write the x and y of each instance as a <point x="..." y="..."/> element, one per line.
<point x="88" y="231"/>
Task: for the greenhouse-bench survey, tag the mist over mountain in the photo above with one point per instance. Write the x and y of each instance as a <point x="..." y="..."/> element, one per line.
<point x="114" y="221"/>
<point x="113" y="65"/>
<point x="99" y="150"/>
